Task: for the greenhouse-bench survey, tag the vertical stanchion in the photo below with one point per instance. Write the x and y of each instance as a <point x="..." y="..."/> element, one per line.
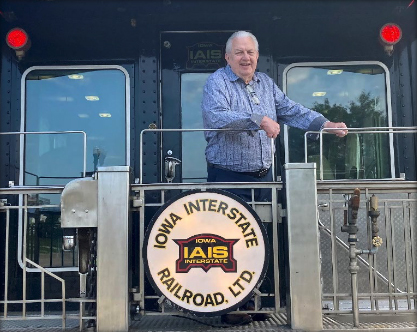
<point x="304" y="307"/>
<point x="113" y="249"/>
<point x="25" y="226"/>
<point x="6" y="265"/>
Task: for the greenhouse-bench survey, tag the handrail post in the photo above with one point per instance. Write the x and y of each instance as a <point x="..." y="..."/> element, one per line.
<point x="113" y="249"/>
<point x="303" y="255"/>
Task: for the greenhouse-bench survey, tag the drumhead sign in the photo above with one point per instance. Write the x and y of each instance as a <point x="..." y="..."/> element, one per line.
<point x="206" y="252"/>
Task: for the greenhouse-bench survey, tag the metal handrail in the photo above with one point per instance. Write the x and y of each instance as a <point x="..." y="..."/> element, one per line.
<point x="360" y="258"/>
<point x="56" y="133"/>
<point x="192" y="130"/>
<point x="32" y="190"/>
<point x="364" y="130"/>
<point x="24" y="301"/>
<point x="62" y="281"/>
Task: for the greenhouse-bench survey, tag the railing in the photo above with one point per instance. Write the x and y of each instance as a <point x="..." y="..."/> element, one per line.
<point x="9" y="305"/>
<point x="23" y="133"/>
<point x="365" y="130"/>
<point x="191" y="130"/>
<point x="383" y="285"/>
<point x="269" y="212"/>
<point x="388" y="279"/>
<point x="388" y="282"/>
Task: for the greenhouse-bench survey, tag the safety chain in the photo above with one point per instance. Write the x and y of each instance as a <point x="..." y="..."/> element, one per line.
<point x="92" y="277"/>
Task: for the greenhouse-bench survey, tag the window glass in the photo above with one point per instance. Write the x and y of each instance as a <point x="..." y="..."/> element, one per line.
<point x="89" y="100"/>
<point x="194" y="167"/>
<point x="356" y="95"/>
<point x="93" y="101"/>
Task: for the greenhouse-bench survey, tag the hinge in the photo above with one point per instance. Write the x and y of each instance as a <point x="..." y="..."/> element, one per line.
<point x="138" y="201"/>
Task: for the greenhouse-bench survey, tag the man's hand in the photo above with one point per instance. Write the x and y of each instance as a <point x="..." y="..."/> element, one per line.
<point x="341" y="132"/>
<point x="270" y="126"/>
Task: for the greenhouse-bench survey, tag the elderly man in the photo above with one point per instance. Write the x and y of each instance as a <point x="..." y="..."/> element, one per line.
<point x="236" y="97"/>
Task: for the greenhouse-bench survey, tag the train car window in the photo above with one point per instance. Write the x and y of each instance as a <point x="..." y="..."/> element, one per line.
<point x="91" y="99"/>
<point x="355" y="94"/>
<point x="194" y="167"/>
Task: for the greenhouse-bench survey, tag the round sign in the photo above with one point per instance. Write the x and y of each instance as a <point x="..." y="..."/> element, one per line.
<point x="206" y="251"/>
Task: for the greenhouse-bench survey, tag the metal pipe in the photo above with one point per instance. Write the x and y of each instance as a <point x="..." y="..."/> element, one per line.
<point x="361" y="260"/>
<point x="321" y="156"/>
<point x="32" y="190"/>
<point x="353" y="208"/>
<point x="354" y="285"/>
<point x="42" y="294"/>
<point x="364" y="130"/>
<point x="275" y="249"/>
<point x="350" y="227"/>
<point x="175" y="130"/>
<point x="205" y="186"/>
<point x="26" y="260"/>
<point x="56" y="133"/>
<point x="25" y="222"/>
<point x="6" y="263"/>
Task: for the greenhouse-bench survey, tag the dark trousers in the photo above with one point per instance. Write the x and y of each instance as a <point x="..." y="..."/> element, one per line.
<point x="223" y="175"/>
<point x="260" y="195"/>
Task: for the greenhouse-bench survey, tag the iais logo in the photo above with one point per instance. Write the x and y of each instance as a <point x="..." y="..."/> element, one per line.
<point x="205" y="251"/>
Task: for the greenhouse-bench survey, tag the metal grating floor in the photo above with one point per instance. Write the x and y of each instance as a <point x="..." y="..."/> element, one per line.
<point x="155" y="323"/>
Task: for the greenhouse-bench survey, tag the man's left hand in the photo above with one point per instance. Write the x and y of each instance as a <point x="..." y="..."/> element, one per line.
<point x="341" y="132"/>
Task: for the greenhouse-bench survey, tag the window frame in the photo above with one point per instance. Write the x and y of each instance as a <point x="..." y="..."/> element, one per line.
<point x="347" y="63"/>
<point x="22" y="142"/>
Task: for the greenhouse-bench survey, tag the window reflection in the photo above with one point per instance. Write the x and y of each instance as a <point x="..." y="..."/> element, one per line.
<point x="93" y="101"/>
<point x="194" y="167"/>
<point x="354" y="94"/>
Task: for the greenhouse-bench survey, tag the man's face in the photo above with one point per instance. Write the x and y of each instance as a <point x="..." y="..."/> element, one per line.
<point x="243" y="58"/>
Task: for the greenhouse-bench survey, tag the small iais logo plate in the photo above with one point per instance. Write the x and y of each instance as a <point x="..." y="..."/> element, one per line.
<point x="206" y="252"/>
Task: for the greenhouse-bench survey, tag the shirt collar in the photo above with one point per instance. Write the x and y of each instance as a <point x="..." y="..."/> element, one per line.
<point x="233" y="77"/>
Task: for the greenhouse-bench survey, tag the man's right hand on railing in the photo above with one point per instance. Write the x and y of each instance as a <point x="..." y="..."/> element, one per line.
<point x="271" y="127"/>
<point x="333" y="125"/>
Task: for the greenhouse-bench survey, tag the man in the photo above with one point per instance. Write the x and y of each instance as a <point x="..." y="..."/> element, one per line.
<point x="235" y="97"/>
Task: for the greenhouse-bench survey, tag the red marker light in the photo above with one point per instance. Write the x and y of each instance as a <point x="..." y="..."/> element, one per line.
<point x="17" y="38"/>
<point x="390" y="33"/>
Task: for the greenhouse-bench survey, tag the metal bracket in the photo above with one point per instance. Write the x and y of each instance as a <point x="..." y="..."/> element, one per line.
<point x="138" y="201"/>
<point x="161" y="299"/>
<point x="137" y="297"/>
<point x="324" y="206"/>
<point x="257" y="291"/>
<point x="282" y="213"/>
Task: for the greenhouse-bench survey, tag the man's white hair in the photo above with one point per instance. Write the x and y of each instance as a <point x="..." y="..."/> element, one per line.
<point x="239" y="34"/>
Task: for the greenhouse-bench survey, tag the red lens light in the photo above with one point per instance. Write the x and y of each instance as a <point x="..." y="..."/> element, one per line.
<point x="390" y="33"/>
<point x="17" y="38"/>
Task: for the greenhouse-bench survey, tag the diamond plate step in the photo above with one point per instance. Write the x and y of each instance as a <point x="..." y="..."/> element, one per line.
<point x="166" y="323"/>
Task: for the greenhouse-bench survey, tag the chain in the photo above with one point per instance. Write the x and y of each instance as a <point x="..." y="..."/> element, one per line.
<point x="92" y="277"/>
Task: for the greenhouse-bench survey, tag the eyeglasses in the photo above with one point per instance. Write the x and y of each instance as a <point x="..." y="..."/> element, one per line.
<point x="252" y="94"/>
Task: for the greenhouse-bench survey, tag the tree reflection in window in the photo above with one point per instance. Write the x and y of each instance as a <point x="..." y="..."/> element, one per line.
<point x="356" y="156"/>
